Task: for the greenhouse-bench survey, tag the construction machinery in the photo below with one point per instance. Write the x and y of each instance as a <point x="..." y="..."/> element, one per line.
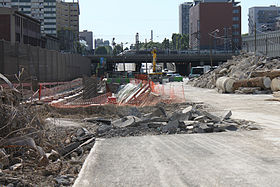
<point x="157" y="70"/>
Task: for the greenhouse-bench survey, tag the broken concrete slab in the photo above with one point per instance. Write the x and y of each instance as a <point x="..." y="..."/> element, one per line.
<point x="126" y="121"/>
<point x="187" y="110"/>
<point x="180" y="116"/>
<point x="231" y="128"/>
<point x="159" y="112"/>
<point x="189" y="123"/>
<point x="203" y="128"/>
<point x="214" y="118"/>
<point x="226" y="115"/>
<point x="104" y="128"/>
<point x="156" y="124"/>
<point x="171" y="127"/>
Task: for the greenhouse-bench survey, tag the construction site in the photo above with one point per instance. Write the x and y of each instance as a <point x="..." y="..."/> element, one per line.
<point x="136" y="94"/>
<point x="101" y="131"/>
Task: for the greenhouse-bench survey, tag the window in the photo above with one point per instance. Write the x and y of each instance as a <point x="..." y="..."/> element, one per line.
<point x="235" y="18"/>
<point x="235" y="11"/>
<point x="235" y="26"/>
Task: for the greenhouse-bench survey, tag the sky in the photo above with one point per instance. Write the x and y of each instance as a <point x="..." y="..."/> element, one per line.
<point x="122" y="19"/>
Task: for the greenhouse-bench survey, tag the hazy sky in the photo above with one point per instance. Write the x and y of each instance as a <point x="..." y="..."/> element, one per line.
<point x="122" y="19"/>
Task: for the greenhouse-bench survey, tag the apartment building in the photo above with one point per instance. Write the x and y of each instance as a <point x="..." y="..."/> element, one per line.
<point x="215" y="24"/>
<point x="88" y="37"/>
<point x="42" y="10"/>
<point x="264" y="19"/>
<point x="18" y="27"/>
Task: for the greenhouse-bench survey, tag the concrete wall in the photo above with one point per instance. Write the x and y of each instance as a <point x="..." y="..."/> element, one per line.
<point x="46" y="65"/>
<point x="267" y="44"/>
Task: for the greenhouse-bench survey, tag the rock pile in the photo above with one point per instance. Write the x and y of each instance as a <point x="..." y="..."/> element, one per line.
<point x="191" y="119"/>
<point x="246" y="73"/>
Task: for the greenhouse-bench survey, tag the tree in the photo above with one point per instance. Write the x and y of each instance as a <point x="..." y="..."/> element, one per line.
<point x="101" y="51"/>
<point x="184" y="42"/>
<point x="117" y="49"/>
<point x="165" y="43"/>
<point x="81" y="48"/>
<point x="180" y="42"/>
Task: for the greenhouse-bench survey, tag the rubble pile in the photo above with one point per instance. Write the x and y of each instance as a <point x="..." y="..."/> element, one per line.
<point x="178" y="119"/>
<point x="32" y="152"/>
<point x="244" y="74"/>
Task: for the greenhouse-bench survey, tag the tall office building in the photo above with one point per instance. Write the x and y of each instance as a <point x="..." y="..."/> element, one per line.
<point x="184" y="17"/>
<point x="264" y="18"/>
<point x="42" y="10"/>
<point x="215" y="24"/>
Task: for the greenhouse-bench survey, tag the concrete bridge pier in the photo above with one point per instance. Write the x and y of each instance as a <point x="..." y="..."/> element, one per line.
<point x="183" y="68"/>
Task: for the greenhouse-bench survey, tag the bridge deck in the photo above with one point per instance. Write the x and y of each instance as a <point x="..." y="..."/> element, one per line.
<point x="161" y="58"/>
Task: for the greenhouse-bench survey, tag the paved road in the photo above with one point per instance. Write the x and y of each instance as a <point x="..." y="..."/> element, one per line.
<point x="222" y="159"/>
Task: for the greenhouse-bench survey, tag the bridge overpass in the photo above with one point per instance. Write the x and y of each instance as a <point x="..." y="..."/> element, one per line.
<point x="182" y="61"/>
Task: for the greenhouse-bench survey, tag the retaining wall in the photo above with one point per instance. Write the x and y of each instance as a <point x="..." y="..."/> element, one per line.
<point x="45" y="65"/>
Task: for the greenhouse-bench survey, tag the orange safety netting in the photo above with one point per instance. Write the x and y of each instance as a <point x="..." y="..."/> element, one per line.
<point x="148" y="94"/>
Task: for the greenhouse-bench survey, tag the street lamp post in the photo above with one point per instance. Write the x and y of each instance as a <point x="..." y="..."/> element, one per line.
<point x="211" y="45"/>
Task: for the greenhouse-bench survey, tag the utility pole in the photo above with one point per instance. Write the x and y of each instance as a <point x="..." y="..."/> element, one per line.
<point x="152" y="35"/>
<point x="255" y="38"/>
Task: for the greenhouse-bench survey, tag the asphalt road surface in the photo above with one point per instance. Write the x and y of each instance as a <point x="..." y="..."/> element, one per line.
<point x="247" y="158"/>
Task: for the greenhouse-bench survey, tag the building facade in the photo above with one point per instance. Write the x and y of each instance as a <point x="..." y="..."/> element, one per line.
<point x="215" y="24"/>
<point x="263" y="19"/>
<point x="42" y="10"/>
<point x="67" y="19"/>
<point x="184" y="17"/>
<point x="18" y="27"/>
<point x="88" y="37"/>
<point x="100" y="43"/>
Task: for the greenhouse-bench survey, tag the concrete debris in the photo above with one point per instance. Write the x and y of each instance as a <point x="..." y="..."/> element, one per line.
<point x="159" y="112"/>
<point x="126" y="121"/>
<point x="226" y="115"/>
<point x="194" y="120"/>
<point x="187" y="110"/>
<point x="171" y="127"/>
<point x="241" y="73"/>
